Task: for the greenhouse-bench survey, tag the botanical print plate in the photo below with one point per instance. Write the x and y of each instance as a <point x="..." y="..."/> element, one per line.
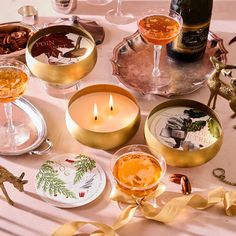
<point x="70" y="180"/>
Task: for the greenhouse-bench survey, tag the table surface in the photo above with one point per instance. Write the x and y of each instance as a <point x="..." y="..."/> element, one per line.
<point x="33" y="217"/>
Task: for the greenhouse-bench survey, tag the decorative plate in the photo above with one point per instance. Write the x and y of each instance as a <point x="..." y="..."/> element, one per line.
<point x="132" y="64"/>
<point x="70" y="180"/>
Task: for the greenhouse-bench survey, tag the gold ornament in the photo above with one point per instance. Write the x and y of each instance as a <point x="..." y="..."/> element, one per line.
<point x="18" y="182"/>
<point x="218" y="87"/>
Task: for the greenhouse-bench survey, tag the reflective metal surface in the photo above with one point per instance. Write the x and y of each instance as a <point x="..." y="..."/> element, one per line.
<point x="24" y="112"/>
<point x="132" y="64"/>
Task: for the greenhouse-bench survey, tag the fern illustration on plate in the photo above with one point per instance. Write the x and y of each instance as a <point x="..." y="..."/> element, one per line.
<point x="47" y="179"/>
<point x="83" y="164"/>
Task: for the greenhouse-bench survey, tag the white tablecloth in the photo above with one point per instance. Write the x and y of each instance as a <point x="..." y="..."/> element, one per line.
<point x="33" y="217"/>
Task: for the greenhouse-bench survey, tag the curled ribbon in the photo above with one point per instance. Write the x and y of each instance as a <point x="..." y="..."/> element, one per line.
<point x="164" y="214"/>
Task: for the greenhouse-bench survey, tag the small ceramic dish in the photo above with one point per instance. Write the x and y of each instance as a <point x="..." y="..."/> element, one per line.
<point x="70" y="180"/>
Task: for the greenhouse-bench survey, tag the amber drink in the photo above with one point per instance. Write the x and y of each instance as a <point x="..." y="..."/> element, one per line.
<point x="159" y="29"/>
<point x="13" y="79"/>
<point x="12" y="83"/>
<point x="137" y="171"/>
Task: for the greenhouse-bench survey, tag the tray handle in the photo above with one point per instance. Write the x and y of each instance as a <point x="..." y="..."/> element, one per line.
<point x="46" y="150"/>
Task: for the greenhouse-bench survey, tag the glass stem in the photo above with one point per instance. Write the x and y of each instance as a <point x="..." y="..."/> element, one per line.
<point x="118" y="8"/>
<point x="157" y="55"/>
<point x="8" y="113"/>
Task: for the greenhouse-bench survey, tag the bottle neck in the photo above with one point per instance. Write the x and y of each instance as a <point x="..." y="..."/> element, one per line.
<point x="193" y="11"/>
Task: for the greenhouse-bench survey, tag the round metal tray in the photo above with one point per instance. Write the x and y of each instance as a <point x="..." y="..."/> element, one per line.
<point x="25" y="112"/>
<point x="132" y="64"/>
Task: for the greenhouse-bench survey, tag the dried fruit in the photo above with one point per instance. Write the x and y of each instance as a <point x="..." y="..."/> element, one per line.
<point x="183" y="181"/>
<point x="11" y="41"/>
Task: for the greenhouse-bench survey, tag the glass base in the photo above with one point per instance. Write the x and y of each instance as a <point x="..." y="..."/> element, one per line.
<point x="98" y="2"/>
<point x="61" y="91"/>
<point x="114" y="17"/>
<point x="20" y="136"/>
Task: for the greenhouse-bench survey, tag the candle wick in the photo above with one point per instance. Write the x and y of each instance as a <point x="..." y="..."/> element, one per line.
<point x="95" y="117"/>
<point x="111" y="108"/>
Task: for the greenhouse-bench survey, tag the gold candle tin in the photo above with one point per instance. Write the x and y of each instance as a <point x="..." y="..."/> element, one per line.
<point x="102" y="139"/>
<point x="60" y="74"/>
<point x="181" y="132"/>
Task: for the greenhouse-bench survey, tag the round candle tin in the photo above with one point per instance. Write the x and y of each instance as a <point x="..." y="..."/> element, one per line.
<point x="61" y="55"/>
<point x="111" y="128"/>
<point x="186" y="132"/>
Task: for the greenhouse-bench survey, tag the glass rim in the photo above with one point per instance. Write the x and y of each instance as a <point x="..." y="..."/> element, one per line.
<point x="159" y="12"/>
<point x="156" y="155"/>
<point x="9" y="62"/>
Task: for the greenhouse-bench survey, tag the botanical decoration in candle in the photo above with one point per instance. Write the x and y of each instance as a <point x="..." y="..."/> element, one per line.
<point x="186" y="132"/>
<point x="103" y="111"/>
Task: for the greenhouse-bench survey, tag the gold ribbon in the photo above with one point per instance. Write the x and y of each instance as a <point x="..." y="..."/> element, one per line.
<point x="165" y="214"/>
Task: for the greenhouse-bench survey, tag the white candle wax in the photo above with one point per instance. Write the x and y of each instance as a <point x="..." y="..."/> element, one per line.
<point x="123" y="113"/>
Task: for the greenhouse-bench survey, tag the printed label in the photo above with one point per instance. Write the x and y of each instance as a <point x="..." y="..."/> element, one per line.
<point x="61" y="48"/>
<point x="184" y="128"/>
<point x="192" y="38"/>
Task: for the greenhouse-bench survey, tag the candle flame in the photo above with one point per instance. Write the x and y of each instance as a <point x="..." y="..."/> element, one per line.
<point x="111" y="103"/>
<point x="95" y="111"/>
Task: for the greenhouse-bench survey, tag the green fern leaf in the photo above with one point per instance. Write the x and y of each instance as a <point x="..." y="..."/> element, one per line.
<point x="83" y="164"/>
<point x="213" y="127"/>
<point x="47" y="179"/>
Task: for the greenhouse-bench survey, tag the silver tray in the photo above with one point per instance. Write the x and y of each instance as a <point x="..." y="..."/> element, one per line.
<point x="132" y="64"/>
<point x="25" y="112"/>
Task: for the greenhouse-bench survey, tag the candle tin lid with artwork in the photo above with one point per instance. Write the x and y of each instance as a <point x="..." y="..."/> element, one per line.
<point x="61" y="54"/>
<point x="70" y="180"/>
<point x="187" y="133"/>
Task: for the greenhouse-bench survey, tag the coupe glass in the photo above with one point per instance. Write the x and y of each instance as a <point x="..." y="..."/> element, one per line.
<point x="137" y="170"/>
<point x="13" y="80"/>
<point x="116" y="16"/>
<point x="99" y="2"/>
<point x="160" y="27"/>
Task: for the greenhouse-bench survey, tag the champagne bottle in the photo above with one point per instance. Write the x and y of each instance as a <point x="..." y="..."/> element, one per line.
<point x="191" y="43"/>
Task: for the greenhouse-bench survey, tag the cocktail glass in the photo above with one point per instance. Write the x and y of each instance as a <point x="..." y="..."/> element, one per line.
<point x="14" y="76"/>
<point x="117" y="16"/>
<point x="137" y="170"/>
<point x="99" y="2"/>
<point x="160" y="27"/>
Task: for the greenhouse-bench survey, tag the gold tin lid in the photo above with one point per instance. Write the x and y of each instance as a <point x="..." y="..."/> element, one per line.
<point x="187" y="133"/>
<point x="61" y="54"/>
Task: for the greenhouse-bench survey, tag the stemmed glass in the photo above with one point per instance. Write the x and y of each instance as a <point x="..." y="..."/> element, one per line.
<point x="160" y="27"/>
<point x="116" y="16"/>
<point x="13" y="80"/>
<point x="98" y="2"/>
<point x="137" y="170"/>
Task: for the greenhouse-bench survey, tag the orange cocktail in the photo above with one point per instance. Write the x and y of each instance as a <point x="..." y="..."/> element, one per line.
<point x="159" y="29"/>
<point x="137" y="172"/>
<point x="12" y="83"/>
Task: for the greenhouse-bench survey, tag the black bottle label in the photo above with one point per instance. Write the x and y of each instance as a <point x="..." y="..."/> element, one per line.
<point x="191" y="39"/>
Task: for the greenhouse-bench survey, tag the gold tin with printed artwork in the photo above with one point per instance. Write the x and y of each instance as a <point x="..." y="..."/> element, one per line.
<point x="186" y="132"/>
<point x="61" y="55"/>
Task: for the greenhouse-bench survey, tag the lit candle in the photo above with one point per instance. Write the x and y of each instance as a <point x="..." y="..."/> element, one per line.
<point x="95" y="111"/>
<point x="125" y="111"/>
<point x="111" y="103"/>
<point x="115" y="117"/>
